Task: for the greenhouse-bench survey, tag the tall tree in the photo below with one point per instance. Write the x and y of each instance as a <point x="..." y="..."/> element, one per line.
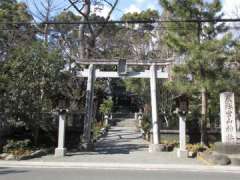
<point x="22" y="76"/>
<point x="84" y="9"/>
<point x="11" y="34"/>
<point x="194" y="44"/>
<point x="43" y="11"/>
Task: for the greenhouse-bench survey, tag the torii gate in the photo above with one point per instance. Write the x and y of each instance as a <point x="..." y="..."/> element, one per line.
<point x="158" y="70"/>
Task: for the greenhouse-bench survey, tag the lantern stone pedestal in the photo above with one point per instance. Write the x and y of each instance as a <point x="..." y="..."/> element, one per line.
<point x="155" y="148"/>
<point x="60" y="152"/>
<point x="181" y="153"/>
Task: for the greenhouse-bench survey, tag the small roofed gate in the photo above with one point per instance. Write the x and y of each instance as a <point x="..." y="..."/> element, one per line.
<point x="155" y="69"/>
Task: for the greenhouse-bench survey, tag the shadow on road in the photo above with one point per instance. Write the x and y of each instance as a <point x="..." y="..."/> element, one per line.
<point x="122" y="138"/>
<point x="5" y="171"/>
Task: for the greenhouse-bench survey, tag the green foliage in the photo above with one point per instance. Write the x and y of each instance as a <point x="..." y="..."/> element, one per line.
<point x="30" y="74"/>
<point x="13" y="146"/>
<point x="11" y="11"/>
<point x="149" y="14"/>
<point x="203" y="56"/>
<point x="141" y="87"/>
<point x="96" y="129"/>
<point x="195" y="148"/>
<point x="181" y="36"/>
<point x="29" y="78"/>
<point x="146" y="124"/>
<point x="106" y="106"/>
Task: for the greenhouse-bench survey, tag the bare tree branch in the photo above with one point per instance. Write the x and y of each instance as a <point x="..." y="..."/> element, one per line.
<point x="108" y="17"/>
<point x="110" y="4"/>
<point x="73" y="4"/>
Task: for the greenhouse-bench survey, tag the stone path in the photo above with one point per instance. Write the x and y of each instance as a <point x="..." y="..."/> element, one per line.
<point x="123" y="138"/>
<point x="122" y="145"/>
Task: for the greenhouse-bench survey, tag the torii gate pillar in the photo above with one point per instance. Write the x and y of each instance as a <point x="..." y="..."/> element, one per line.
<point x="88" y="119"/>
<point x="155" y="147"/>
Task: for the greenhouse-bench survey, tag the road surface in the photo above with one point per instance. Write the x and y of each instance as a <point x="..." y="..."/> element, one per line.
<point x="87" y="174"/>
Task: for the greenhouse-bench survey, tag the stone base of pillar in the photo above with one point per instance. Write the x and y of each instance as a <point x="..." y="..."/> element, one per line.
<point x="155" y="148"/>
<point x="182" y="153"/>
<point x="87" y="147"/>
<point x="60" y="152"/>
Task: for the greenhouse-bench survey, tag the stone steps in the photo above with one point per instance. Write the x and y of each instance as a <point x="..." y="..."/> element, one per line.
<point x="127" y="123"/>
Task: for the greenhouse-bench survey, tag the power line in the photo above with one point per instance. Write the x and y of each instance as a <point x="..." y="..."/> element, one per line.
<point x="16" y="26"/>
<point x="158" y="28"/>
<point x="125" y="22"/>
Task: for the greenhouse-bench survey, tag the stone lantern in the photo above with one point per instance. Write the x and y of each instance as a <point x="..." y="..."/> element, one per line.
<point x="62" y="103"/>
<point x="182" y="105"/>
<point x="62" y="109"/>
<point x="182" y="110"/>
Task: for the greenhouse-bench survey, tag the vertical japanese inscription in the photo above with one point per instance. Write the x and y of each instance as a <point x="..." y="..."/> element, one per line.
<point x="228" y="123"/>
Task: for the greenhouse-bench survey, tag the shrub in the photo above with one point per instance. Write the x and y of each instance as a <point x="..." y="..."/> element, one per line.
<point x="97" y="130"/>
<point x="106" y="106"/>
<point x="146" y="124"/>
<point x="196" y="147"/>
<point x="17" y="147"/>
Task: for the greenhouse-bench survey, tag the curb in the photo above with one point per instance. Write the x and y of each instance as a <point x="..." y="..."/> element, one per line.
<point x="121" y="166"/>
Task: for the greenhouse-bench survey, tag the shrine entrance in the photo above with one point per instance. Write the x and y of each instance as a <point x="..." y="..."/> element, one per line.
<point x="153" y="70"/>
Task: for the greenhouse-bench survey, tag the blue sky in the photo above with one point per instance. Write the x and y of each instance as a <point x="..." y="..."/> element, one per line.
<point x="135" y="5"/>
<point x="229" y="6"/>
<point x="124" y="6"/>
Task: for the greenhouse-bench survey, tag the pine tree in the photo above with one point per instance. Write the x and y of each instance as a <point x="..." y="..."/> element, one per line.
<point x="202" y="53"/>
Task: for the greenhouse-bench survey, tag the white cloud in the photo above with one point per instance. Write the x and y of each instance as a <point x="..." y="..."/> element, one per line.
<point x="101" y="12"/>
<point x="231" y="8"/>
<point x="151" y="6"/>
<point x="132" y="8"/>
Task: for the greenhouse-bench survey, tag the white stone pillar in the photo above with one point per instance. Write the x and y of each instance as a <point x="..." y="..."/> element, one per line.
<point x="135" y="116"/>
<point x="153" y="86"/>
<point x="89" y="106"/>
<point x="140" y="118"/>
<point x="228" y="121"/>
<point x="106" y="118"/>
<point x="60" y="150"/>
<point x="154" y="147"/>
<point x="182" y="152"/>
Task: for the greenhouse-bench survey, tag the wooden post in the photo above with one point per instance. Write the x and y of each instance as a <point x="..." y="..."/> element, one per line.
<point x="153" y="84"/>
<point x="89" y="107"/>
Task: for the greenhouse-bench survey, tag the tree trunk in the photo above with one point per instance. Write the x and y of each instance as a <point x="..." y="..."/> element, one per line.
<point x="81" y="41"/>
<point x="85" y="12"/>
<point x="204" y="116"/>
<point x="46" y="34"/>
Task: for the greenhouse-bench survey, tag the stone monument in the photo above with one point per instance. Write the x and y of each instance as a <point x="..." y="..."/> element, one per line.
<point x="228" y="125"/>
<point x="228" y="121"/>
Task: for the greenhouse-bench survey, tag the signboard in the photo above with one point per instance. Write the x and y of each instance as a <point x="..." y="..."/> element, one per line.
<point x="228" y="122"/>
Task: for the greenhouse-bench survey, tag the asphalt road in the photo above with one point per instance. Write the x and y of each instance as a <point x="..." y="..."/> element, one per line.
<point x="84" y="174"/>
